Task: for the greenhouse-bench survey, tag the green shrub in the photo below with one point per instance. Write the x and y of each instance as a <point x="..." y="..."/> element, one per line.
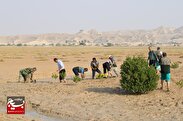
<point x="76" y="79"/>
<point x="19" y="44"/>
<point x="137" y="77"/>
<point x="180" y="83"/>
<point x="175" y="65"/>
<point x="54" y="76"/>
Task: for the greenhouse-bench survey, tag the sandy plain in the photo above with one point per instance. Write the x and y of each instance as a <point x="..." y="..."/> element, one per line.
<point x="88" y="100"/>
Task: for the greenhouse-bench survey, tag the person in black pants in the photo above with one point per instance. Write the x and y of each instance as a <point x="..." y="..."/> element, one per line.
<point x="95" y="67"/>
<point x="107" y="68"/>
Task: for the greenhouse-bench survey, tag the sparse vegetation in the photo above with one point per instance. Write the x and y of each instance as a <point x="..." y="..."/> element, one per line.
<point x="109" y="44"/>
<point x="175" y="65"/>
<point x="180" y="83"/>
<point x="58" y="44"/>
<point x="137" y="77"/>
<point x="76" y="79"/>
<point x="54" y="76"/>
<point x="100" y="76"/>
<point x="19" y="44"/>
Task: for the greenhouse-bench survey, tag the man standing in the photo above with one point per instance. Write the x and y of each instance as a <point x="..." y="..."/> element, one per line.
<point x="159" y="55"/>
<point x="61" y="69"/>
<point x="152" y="58"/>
<point x="113" y="64"/>
<point x="165" y="71"/>
<point x="95" y="67"/>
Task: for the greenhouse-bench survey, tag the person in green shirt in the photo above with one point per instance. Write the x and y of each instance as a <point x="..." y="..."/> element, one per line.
<point x="27" y="73"/>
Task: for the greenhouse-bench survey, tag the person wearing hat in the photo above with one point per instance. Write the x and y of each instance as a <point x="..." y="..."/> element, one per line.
<point x="61" y="69"/>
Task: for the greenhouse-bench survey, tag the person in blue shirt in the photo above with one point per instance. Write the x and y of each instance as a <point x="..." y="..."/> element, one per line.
<point x="80" y="70"/>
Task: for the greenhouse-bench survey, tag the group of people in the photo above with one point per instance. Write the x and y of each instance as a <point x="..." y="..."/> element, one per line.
<point x="108" y="66"/>
<point x="157" y="59"/>
<point x="161" y="63"/>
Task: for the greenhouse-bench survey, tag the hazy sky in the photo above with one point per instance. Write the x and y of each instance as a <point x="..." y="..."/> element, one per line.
<point x="57" y="16"/>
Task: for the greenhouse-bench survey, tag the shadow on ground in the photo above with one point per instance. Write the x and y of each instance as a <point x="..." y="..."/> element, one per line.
<point x="110" y="90"/>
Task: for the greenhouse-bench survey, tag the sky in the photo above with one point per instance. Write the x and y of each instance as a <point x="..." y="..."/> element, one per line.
<point x="69" y="16"/>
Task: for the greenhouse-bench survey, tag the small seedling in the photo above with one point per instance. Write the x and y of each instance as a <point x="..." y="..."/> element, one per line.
<point x="180" y="83"/>
<point x="76" y="79"/>
<point x="100" y="76"/>
<point x="175" y="65"/>
<point x="54" y="76"/>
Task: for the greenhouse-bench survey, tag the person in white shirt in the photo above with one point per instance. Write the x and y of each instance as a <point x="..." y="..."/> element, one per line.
<point x="61" y="69"/>
<point x="113" y="64"/>
<point x="107" y="68"/>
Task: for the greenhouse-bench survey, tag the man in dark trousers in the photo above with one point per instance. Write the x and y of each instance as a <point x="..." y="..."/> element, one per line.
<point x="152" y="58"/>
<point x="61" y="69"/>
<point x="95" y="67"/>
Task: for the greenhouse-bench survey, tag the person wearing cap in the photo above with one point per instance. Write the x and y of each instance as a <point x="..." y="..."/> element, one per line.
<point x="27" y="73"/>
<point x="113" y="64"/>
<point x="80" y="70"/>
<point x="61" y="69"/>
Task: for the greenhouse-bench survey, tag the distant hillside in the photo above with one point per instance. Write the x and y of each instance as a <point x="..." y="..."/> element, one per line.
<point x="161" y="36"/>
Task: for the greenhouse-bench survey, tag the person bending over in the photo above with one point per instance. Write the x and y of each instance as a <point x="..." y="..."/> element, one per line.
<point x="80" y="70"/>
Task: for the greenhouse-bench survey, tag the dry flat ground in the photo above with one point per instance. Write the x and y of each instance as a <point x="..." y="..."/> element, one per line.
<point x="93" y="100"/>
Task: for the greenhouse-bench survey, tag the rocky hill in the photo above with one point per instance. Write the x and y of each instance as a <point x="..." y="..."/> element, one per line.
<point x="161" y="35"/>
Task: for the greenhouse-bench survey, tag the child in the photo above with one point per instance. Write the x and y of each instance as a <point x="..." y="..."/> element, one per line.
<point x="165" y="71"/>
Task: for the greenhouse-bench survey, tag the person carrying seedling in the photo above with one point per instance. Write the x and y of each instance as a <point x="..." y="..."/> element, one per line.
<point x="61" y="69"/>
<point x="27" y="74"/>
<point x="95" y="67"/>
<point x="80" y="70"/>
